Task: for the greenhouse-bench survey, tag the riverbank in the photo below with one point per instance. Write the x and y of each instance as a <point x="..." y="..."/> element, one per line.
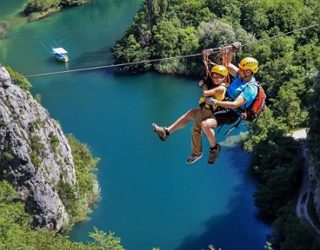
<point x="28" y="14"/>
<point x="40" y="15"/>
<point x="37" y="10"/>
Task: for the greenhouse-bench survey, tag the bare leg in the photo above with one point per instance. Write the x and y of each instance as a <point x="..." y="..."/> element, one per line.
<point x="207" y="127"/>
<point x="183" y="120"/>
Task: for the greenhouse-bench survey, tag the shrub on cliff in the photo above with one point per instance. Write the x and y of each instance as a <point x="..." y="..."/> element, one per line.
<point x="85" y="166"/>
<point x="19" y="79"/>
<point x="15" y="232"/>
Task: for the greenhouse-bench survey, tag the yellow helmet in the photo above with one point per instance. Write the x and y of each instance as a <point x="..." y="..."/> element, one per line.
<point x="220" y="69"/>
<point x="249" y="63"/>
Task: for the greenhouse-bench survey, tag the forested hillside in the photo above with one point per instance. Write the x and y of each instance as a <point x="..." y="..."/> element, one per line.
<point x="289" y="70"/>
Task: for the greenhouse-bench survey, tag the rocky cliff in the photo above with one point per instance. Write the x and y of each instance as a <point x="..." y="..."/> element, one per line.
<point x="34" y="155"/>
<point x="314" y="148"/>
<point x="314" y="182"/>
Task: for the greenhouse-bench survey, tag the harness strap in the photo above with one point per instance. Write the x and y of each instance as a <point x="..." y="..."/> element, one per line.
<point x="233" y="127"/>
<point x="222" y="111"/>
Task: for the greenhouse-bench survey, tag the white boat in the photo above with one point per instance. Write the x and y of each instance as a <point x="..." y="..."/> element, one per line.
<point x="60" y="54"/>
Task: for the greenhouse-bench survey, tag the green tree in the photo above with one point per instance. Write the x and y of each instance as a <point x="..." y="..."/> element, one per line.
<point x="278" y="166"/>
<point x="192" y="12"/>
<point x="290" y="233"/>
<point x="156" y="10"/>
<point x="254" y="18"/>
<point x="166" y="38"/>
<point x="229" y="10"/>
<point x="106" y="241"/>
<point x="18" y="79"/>
<point x="285" y="14"/>
<point x="72" y="2"/>
<point x="15" y="232"/>
<point x="287" y="107"/>
<point x="40" y="5"/>
<point x="131" y="51"/>
<point x="188" y="40"/>
<point x="217" y="33"/>
<point x="85" y="166"/>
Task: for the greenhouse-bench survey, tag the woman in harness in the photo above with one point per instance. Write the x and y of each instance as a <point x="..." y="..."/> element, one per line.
<point x="213" y="86"/>
<point x="217" y="89"/>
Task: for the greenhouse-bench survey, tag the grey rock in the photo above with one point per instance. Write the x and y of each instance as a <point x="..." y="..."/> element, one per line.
<point x="34" y="155"/>
<point x="314" y="184"/>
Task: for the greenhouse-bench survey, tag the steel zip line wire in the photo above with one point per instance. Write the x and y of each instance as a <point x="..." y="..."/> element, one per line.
<point x="113" y="65"/>
<point x="215" y="50"/>
<point x="282" y="34"/>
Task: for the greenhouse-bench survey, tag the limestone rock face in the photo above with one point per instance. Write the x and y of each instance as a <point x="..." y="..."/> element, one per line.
<point x="314" y="168"/>
<point x="314" y="184"/>
<point x="34" y="155"/>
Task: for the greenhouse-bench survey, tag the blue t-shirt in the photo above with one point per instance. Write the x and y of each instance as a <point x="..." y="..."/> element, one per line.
<point x="248" y="90"/>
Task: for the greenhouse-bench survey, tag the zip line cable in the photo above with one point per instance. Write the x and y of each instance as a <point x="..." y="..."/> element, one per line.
<point x="284" y="33"/>
<point x="112" y="65"/>
<point x="215" y="50"/>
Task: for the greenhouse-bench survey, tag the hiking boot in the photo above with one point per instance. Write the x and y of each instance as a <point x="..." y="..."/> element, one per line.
<point x="214" y="154"/>
<point x="193" y="158"/>
<point x="162" y="132"/>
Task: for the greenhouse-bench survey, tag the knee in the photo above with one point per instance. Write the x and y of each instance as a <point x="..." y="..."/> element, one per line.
<point x="204" y="125"/>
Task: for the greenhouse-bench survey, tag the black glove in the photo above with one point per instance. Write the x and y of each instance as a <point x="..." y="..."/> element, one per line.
<point x="207" y="52"/>
<point x="201" y="83"/>
<point x="236" y="46"/>
<point x="211" y="101"/>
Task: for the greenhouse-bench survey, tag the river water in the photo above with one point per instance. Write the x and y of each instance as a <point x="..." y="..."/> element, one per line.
<point x="150" y="197"/>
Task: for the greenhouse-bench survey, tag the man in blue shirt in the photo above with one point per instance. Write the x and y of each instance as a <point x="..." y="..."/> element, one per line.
<point x="242" y="92"/>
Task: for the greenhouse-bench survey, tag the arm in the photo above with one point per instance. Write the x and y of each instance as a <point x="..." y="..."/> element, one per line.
<point x="233" y="69"/>
<point x="203" y="85"/>
<point x="248" y="94"/>
<point x="215" y="91"/>
<point x="239" y="101"/>
<point x="205" y="58"/>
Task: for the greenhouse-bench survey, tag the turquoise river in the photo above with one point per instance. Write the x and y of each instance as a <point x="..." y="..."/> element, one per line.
<point x="149" y="196"/>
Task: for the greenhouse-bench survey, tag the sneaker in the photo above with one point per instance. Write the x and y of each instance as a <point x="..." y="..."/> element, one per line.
<point x="161" y="131"/>
<point x="193" y="158"/>
<point x="214" y="154"/>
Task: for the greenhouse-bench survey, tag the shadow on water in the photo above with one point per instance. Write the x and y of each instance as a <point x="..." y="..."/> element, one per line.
<point x="93" y="58"/>
<point x="233" y="229"/>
